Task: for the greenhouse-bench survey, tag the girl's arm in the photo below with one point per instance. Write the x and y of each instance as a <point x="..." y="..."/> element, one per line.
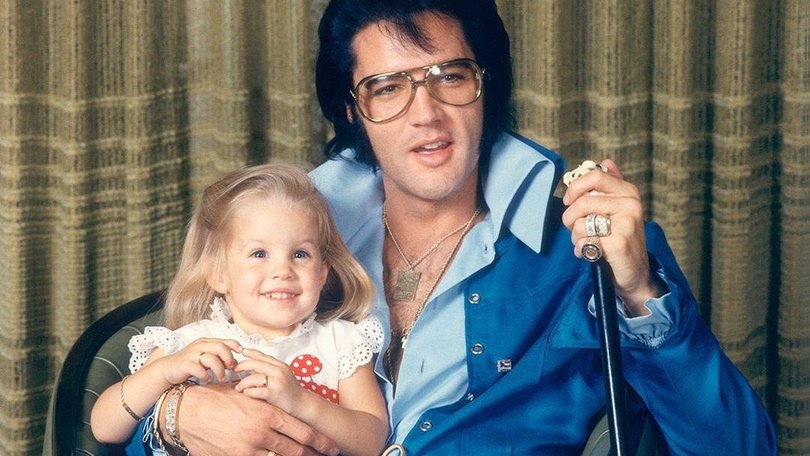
<point x="359" y="425"/>
<point x="109" y="419"/>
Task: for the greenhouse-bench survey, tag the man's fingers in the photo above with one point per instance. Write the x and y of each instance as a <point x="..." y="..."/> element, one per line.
<point x="283" y="445"/>
<point x="304" y="435"/>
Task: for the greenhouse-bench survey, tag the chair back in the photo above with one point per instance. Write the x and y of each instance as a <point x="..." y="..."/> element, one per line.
<point x="98" y="358"/>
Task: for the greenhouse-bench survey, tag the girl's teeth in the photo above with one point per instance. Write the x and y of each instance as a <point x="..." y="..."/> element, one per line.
<point x="280" y="295"/>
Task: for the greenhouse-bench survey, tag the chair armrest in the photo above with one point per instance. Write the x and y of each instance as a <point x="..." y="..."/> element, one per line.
<point x="98" y="358"/>
<point x="599" y="441"/>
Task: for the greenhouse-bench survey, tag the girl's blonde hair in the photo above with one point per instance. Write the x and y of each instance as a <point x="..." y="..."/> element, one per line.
<point x="348" y="289"/>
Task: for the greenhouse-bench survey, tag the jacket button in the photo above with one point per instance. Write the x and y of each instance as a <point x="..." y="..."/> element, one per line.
<point x="474" y="298"/>
<point x="477" y="349"/>
<point x="425" y="426"/>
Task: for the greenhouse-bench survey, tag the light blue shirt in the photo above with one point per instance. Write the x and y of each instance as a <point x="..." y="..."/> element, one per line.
<point x="516" y="191"/>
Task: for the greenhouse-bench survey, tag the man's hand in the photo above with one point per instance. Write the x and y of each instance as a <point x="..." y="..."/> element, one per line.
<point x="218" y="420"/>
<point x="608" y="194"/>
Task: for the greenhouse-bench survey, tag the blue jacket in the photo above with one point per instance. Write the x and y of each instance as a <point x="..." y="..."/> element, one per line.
<point x="553" y="394"/>
<point x="529" y="310"/>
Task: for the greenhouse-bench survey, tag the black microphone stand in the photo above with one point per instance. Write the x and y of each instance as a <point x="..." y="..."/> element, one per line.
<point x="608" y="328"/>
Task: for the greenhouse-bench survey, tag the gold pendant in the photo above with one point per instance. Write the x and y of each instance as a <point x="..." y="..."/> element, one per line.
<point x="407" y="283"/>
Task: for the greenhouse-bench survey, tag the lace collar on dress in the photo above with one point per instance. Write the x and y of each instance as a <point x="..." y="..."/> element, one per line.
<point x="220" y="313"/>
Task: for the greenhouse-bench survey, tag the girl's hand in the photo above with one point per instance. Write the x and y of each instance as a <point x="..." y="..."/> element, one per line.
<point x="196" y="359"/>
<point x="271" y="381"/>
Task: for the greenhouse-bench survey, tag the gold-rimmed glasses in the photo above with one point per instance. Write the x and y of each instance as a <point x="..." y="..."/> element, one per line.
<point x="382" y="97"/>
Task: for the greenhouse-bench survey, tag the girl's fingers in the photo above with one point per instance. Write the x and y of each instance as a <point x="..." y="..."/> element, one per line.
<point x="214" y="354"/>
<point x="257" y="393"/>
<point x="256" y="354"/>
<point x="258" y="357"/>
<point x="262" y="374"/>
<point x="255" y="380"/>
<point x="201" y="375"/>
<point x="213" y="362"/>
<point x="224" y="348"/>
<point x="269" y="367"/>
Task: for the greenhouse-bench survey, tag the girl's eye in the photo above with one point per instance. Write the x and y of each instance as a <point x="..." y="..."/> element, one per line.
<point x="259" y="254"/>
<point x="301" y="254"/>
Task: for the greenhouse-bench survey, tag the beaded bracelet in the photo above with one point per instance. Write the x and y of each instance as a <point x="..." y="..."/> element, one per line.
<point x="124" y="403"/>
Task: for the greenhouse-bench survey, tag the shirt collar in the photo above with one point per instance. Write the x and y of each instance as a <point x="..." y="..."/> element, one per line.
<point x="354" y="192"/>
<point x="520" y="181"/>
<point x="519" y="184"/>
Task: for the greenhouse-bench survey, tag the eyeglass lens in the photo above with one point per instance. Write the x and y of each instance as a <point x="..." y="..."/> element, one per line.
<point x="384" y="97"/>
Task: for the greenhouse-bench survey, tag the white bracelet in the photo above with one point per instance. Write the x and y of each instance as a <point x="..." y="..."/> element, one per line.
<point x="156" y="420"/>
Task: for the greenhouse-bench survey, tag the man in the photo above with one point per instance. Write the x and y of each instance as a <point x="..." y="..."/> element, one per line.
<point x="492" y="349"/>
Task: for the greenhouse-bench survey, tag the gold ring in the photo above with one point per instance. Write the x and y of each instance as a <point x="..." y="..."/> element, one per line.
<point x="592" y="249"/>
<point x="266" y="380"/>
<point x="394" y="447"/>
<point x="271" y="453"/>
<point x="199" y="357"/>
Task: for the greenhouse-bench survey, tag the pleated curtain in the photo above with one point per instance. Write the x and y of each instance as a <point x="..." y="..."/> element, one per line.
<point x="114" y="114"/>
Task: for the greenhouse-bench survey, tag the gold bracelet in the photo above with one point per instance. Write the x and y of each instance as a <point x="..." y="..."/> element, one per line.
<point x="156" y="420"/>
<point x="124" y="403"/>
<point x="171" y="416"/>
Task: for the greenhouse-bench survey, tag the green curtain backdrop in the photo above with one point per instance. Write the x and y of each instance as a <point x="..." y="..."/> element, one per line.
<point x="115" y="113"/>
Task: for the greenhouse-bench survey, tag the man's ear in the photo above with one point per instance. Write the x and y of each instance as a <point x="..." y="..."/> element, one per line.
<point x="349" y="112"/>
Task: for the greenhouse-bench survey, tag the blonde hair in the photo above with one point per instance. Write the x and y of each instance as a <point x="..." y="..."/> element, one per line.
<point x="348" y="289"/>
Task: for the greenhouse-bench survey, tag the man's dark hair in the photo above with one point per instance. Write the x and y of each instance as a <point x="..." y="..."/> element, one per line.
<point x="483" y="30"/>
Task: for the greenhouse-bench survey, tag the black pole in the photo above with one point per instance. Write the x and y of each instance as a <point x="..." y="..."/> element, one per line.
<point x="608" y="326"/>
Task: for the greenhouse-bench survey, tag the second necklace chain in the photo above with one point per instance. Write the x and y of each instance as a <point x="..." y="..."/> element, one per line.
<point x="408" y="279"/>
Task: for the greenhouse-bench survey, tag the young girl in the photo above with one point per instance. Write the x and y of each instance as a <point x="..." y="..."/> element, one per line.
<point x="263" y="252"/>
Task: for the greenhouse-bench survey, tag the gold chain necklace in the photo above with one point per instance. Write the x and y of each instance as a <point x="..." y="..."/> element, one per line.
<point x="408" y="279"/>
<point x="393" y="356"/>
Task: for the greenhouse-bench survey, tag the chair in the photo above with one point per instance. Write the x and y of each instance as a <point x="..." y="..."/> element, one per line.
<point x="599" y="441"/>
<point x="101" y="351"/>
<point x="100" y="357"/>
